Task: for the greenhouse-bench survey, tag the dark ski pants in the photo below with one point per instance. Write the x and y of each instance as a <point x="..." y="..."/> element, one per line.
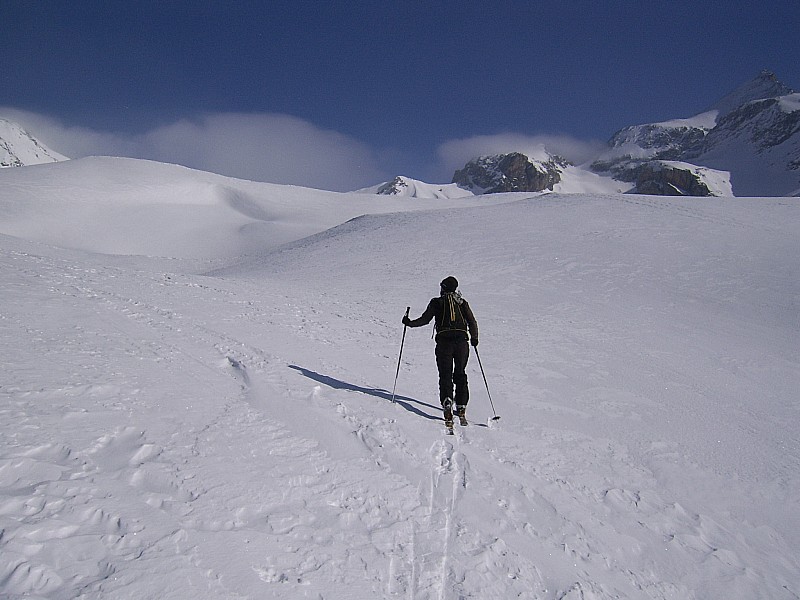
<point x="451" y="360"/>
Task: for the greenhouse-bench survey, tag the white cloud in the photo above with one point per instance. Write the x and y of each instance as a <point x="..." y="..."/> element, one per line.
<point x="71" y="141"/>
<point x="259" y="146"/>
<point x="283" y="149"/>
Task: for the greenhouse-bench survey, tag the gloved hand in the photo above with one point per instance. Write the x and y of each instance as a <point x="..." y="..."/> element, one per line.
<point x="406" y="320"/>
<point x="474" y="341"/>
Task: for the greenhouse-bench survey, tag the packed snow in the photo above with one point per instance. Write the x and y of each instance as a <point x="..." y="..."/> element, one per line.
<point x="577" y="180"/>
<point x="196" y="394"/>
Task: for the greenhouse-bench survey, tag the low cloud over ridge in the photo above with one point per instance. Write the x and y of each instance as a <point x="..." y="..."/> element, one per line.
<point x="257" y="146"/>
<point x="454" y="154"/>
<point x="283" y="149"/>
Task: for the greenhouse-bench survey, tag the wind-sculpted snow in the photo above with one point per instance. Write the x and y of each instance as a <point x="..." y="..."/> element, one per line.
<point x="165" y="434"/>
<point x="126" y="206"/>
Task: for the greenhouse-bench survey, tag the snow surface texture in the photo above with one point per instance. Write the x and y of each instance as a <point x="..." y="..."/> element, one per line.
<point x="166" y="433"/>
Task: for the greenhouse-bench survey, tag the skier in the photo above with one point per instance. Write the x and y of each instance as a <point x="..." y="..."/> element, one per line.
<point x="456" y="327"/>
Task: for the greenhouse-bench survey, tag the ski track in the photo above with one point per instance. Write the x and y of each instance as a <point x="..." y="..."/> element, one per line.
<point x="302" y="510"/>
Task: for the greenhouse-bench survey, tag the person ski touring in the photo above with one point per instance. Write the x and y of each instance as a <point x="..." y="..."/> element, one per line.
<point x="456" y="328"/>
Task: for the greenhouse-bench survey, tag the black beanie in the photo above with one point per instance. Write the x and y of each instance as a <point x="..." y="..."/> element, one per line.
<point x="449" y="284"/>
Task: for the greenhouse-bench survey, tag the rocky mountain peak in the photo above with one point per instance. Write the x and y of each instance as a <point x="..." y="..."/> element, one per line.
<point x="764" y="85"/>
<point x="512" y="172"/>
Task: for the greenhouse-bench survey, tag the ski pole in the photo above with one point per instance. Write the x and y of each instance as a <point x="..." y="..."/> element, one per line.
<point x="495" y="417"/>
<point x="402" y="342"/>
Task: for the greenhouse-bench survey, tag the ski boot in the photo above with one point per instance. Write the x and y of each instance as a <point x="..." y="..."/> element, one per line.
<point x="447" y="406"/>
<point x="461" y="411"/>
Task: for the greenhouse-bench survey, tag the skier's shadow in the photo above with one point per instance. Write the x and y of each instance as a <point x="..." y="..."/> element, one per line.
<point x="338" y="384"/>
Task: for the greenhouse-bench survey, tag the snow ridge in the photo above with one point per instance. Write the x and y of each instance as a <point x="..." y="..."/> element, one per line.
<point x="412" y="188"/>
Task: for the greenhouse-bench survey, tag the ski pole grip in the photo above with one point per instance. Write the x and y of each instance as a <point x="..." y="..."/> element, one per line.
<point x="408" y="310"/>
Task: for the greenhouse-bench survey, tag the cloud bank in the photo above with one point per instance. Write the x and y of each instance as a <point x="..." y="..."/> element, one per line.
<point x="260" y="147"/>
<point x="279" y="148"/>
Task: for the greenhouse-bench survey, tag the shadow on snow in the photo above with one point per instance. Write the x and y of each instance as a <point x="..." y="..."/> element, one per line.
<point x="337" y="384"/>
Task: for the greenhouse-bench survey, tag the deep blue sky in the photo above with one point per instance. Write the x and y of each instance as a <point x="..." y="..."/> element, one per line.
<point x="399" y="77"/>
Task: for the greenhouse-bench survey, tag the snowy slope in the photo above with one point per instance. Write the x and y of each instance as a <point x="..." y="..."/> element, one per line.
<point x="129" y="206"/>
<point x="165" y="434"/>
<point x="19" y="148"/>
<point x="579" y="180"/>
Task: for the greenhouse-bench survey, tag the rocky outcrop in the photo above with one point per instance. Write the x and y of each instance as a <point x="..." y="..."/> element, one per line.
<point x="395" y="187"/>
<point x="664" y="179"/>
<point x="513" y="172"/>
<point x="663" y="142"/>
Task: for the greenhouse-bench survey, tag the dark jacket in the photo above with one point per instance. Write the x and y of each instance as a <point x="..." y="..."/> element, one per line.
<point x="435" y="310"/>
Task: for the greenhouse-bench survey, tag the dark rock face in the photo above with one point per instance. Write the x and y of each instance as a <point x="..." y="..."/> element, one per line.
<point x="659" y="179"/>
<point x="763" y="123"/>
<point x="669" y="143"/>
<point x="513" y="172"/>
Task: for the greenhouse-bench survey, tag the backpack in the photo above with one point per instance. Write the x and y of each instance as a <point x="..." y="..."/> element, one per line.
<point x="452" y="315"/>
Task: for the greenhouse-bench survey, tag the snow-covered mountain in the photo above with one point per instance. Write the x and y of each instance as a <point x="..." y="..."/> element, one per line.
<point x="179" y="420"/>
<point x="753" y="133"/>
<point x="510" y="172"/>
<point x="412" y="188"/>
<point x="759" y="143"/>
<point x="746" y="144"/>
<point x="18" y="148"/>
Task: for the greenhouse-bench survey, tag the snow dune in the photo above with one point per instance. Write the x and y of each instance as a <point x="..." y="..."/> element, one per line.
<point x="171" y="434"/>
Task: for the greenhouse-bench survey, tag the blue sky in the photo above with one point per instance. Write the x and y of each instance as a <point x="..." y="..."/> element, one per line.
<point x="387" y="86"/>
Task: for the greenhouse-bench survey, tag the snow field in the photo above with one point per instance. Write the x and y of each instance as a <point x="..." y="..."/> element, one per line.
<point x="171" y="434"/>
